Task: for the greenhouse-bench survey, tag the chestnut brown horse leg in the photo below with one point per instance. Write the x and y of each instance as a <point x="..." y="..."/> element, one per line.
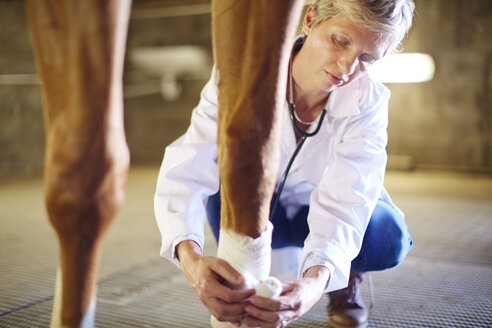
<point x="252" y="43"/>
<point x="79" y="49"/>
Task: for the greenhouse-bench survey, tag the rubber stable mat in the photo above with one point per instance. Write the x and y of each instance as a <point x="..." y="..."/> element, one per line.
<point x="444" y="282"/>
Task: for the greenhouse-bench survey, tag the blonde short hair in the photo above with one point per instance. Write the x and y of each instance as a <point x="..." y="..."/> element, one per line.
<point x="391" y="17"/>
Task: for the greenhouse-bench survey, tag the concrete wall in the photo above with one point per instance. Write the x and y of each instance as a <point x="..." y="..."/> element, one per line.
<point x="21" y="120"/>
<point x="151" y="122"/>
<point x="447" y="122"/>
<point x="442" y="123"/>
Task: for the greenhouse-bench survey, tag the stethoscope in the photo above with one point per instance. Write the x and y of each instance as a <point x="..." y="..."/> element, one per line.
<point x="305" y="135"/>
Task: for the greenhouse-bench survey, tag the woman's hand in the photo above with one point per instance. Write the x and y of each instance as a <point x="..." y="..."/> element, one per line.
<point x="298" y="296"/>
<point x="211" y="277"/>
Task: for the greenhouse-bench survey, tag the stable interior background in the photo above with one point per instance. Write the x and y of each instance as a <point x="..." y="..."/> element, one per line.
<point x="439" y="173"/>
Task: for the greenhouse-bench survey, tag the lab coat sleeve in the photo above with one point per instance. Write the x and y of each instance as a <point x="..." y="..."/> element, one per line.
<point x="188" y="175"/>
<point x="343" y="201"/>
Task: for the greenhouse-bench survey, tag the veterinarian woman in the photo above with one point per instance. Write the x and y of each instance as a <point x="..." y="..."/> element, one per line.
<point x="333" y="217"/>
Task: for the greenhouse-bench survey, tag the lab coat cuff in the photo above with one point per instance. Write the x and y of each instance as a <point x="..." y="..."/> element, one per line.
<point x="321" y="252"/>
<point x="171" y="254"/>
<point x="315" y="260"/>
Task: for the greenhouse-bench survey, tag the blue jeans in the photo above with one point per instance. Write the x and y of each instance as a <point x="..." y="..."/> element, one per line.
<point x="386" y="240"/>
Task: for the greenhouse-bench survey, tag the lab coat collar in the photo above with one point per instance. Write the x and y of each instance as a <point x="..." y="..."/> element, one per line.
<point x="345" y="101"/>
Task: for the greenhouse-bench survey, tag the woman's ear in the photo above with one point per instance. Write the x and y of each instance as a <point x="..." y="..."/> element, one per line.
<point x="307" y="23"/>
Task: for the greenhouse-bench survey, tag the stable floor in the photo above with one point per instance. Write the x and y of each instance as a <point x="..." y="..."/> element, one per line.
<point x="446" y="280"/>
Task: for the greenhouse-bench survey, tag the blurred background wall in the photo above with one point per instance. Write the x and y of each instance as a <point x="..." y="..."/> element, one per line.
<point x="444" y="123"/>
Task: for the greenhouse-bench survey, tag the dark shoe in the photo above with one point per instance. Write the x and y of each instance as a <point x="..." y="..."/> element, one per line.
<point x="346" y="308"/>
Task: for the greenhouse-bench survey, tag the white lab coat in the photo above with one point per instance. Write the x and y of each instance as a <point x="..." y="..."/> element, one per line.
<point x="339" y="173"/>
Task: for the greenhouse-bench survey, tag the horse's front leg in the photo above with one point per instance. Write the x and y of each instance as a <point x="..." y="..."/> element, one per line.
<point x="252" y="43"/>
<point x="79" y="49"/>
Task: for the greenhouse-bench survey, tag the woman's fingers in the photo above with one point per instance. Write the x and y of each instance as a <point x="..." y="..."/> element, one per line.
<point x="223" y="269"/>
<point x="230" y="283"/>
<point x="265" y="312"/>
<point x="283" y="303"/>
<point x="232" y="312"/>
<point x="212" y="279"/>
<point x="224" y="302"/>
<point x="217" y="289"/>
<point x="267" y="303"/>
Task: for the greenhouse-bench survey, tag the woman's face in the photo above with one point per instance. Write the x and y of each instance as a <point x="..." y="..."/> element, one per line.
<point x="337" y="51"/>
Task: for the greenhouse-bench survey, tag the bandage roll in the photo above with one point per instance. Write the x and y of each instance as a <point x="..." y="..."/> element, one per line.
<point x="271" y="287"/>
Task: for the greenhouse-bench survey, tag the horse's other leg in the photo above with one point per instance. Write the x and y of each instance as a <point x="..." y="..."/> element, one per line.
<point x="79" y="49"/>
<point x="252" y="44"/>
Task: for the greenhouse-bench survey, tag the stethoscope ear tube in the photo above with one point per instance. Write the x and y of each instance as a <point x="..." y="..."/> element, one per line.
<point x="298" y="129"/>
<point x="304" y="135"/>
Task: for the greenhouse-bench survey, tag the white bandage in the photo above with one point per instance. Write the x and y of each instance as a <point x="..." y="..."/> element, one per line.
<point x="251" y="258"/>
<point x="271" y="287"/>
<point x="90" y="316"/>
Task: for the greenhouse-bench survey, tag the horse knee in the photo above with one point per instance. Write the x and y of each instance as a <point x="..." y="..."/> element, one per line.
<point x="82" y="199"/>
